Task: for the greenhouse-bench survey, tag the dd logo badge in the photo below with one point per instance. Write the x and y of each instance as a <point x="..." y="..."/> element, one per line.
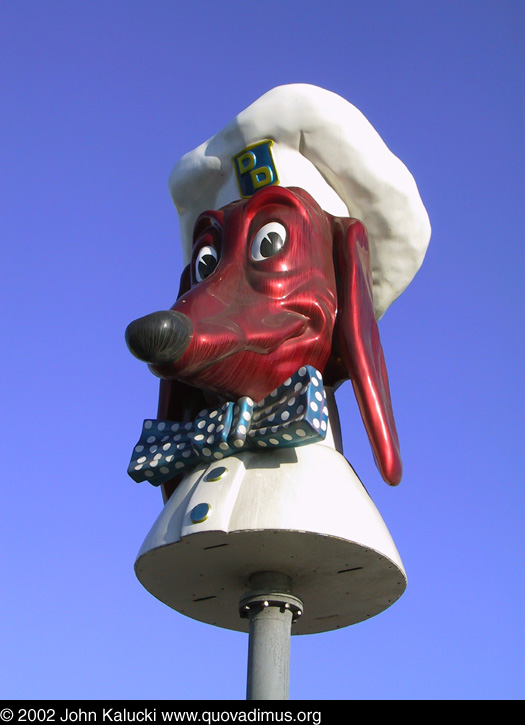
<point x="255" y="168"/>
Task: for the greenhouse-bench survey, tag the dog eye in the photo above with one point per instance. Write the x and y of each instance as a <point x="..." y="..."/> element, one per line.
<point x="207" y="260"/>
<point x="268" y="241"/>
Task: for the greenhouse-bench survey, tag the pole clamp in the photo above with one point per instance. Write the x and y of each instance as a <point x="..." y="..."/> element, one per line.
<point x="255" y="602"/>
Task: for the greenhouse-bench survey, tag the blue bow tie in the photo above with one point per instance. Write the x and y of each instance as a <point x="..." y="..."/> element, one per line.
<point x="293" y="414"/>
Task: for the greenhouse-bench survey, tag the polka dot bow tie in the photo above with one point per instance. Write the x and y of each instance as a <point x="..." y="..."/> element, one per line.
<point x="293" y="414"/>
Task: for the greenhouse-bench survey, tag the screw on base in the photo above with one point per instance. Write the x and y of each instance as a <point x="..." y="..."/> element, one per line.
<point x="251" y="604"/>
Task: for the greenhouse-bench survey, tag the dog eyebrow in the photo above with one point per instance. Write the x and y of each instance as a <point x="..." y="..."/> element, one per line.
<point x="272" y="195"/>
<point x="207" y="220"/>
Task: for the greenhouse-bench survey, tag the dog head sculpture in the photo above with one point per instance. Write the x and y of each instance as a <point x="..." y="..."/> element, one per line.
<point x="274" y="282"/>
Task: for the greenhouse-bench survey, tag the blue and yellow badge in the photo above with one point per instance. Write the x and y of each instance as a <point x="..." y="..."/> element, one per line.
<point x="255" y="168"/>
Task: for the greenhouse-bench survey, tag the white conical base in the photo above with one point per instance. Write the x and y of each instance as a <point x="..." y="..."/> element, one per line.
<point x="300" y="511"/>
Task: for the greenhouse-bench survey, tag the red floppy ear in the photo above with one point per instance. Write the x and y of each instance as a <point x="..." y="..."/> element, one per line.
<point x="357" y="338"/>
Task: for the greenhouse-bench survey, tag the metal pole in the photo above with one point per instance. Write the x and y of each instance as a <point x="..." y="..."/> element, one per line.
<point x="271" y="609"/>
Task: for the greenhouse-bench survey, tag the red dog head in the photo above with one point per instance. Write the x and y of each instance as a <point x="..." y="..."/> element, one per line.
<point x="274" y="283"/>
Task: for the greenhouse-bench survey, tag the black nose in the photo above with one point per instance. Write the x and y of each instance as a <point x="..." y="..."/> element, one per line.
<point x="159" y="338"/>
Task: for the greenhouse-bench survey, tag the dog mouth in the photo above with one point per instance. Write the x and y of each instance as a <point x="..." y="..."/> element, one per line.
<point x="222" y="355"/>
<point x="162" y="338"/>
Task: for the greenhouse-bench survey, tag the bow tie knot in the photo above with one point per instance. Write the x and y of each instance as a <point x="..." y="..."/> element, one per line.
<point x="293" y="414"/>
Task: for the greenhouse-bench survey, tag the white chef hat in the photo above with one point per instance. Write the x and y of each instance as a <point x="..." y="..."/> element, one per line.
<point x="305" y="136"/>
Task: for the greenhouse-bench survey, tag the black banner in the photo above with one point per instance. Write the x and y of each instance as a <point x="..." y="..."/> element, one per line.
<point x="164" y="712"/>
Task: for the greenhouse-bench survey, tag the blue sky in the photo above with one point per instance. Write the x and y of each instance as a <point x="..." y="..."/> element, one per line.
<point x="99" y="100"/>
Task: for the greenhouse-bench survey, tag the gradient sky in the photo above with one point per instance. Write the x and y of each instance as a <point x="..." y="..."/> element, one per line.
<point x="99" y="99"/>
